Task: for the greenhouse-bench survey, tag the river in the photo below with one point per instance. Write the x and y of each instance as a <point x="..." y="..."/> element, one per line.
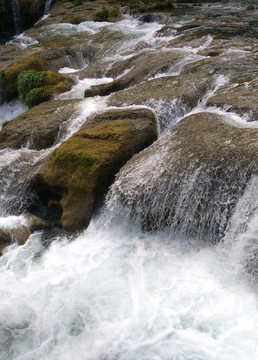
<point x="112" y="291"/>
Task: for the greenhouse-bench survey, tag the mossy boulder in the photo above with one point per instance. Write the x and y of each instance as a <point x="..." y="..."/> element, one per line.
<point x="39" y="126"/>
<point x="11" y="72"/>
<point x="240" y="97"/>
<point x="83" y="167"/>
<point x="37" y="87"/>
<point x="189" y="180"/>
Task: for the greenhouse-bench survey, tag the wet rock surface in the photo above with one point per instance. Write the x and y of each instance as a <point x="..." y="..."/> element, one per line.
<point x="37" y="128"/>
<point x="241" y="98"/>
<point x="195" y="52"/>
<point x="82" y="168"/>
<point x="190" y="179"/>
<point x="187" y="88"/>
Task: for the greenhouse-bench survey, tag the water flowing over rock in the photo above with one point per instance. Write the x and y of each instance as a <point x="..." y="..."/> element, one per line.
<point x="47" y="6"/>
<point x="83" y="167"/>
<point x="38" y="128"/>
<point x="17" y="16"/>
<point x="241" y="98"/>
<point x="168" y="266"/>
<point x="187" y="88"/>
<point x="190" y="179"/>
<point x="20" y="229"/>
<point x="143" y="67"/>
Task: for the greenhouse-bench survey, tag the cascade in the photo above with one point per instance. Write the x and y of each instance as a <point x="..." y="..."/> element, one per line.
<point x="17" y="17"/>
<point x="183" y="291"/>
<point x="47" y="6"/>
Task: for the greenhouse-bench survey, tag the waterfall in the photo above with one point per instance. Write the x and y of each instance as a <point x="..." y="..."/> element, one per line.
<point x="17" y="17"/>
<point x="47" y="6"/>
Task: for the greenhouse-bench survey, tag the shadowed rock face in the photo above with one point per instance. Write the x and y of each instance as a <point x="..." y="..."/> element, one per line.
<point x="38" y="127"/>
<point x="30" y="12"/>
<point x="83" y="167"/>
<point x="190" y="179"/>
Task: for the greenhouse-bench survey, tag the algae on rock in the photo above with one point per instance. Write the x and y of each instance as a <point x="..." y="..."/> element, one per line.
<point x="82" y="168"/>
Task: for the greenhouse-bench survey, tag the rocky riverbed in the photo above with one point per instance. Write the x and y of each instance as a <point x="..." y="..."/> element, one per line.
<point x="145" y="70"/>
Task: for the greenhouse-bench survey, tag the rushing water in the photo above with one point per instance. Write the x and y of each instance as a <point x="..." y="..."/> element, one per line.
<point x="16" y="16"/>
<point x="112" y="291"/>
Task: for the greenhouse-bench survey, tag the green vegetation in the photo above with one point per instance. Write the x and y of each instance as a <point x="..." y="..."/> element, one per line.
<point x="106" y="13"/>
<point x="37" y="96"/>
<point x="88" y="164"/>
<point x="151" y="6"/>
<point x="10" y="74"/>
<point x="28" y="80"/>
<point x="35" y="87"/>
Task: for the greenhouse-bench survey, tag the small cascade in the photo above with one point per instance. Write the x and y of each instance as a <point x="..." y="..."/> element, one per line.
<point x="17" y="17"/>
<point x="47" y="6"/>
<point x="171" y="185"/>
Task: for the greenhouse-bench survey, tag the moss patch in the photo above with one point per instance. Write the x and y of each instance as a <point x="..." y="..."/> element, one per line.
<point x="36" y="87"/>
<point x="106" y="13"/>
<point x="28" y="80"/>
<point x="10" y="74"/>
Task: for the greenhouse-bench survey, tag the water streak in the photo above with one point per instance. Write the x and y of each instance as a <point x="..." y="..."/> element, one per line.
<point x="17" y="17"/>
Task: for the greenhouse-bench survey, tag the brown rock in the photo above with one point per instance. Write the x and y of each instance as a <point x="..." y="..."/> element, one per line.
<point x="38" y="127"/>
<point x="83" y="167"/>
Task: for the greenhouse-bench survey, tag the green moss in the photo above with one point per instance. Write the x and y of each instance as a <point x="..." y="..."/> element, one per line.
<point x="36" y="87"/>
<point x="10" y="74"/>
<point x="37" y="96"/>
<point x="28" y="80"/>
<point x="88" y="164"/>
<point x="106" y="13"/>
<point x="61" y="157"/>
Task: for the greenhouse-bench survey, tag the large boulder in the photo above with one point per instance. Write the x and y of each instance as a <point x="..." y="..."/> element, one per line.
<point x="189" y="180"/>
<point x="83" y="167"/>
<point x="240" y="97"/>
<point x="11" y="72"/>
<point x="38" y="127"/>
<point x="188" y="88"/>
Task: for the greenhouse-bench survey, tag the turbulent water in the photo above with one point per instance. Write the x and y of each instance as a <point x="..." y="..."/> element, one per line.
<point x="113" y="291"/>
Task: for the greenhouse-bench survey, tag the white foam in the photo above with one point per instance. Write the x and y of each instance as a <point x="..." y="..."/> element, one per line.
<point x="115" y="293"/>
<point x="77" y="92"/>
<point x="9" y="110"/>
